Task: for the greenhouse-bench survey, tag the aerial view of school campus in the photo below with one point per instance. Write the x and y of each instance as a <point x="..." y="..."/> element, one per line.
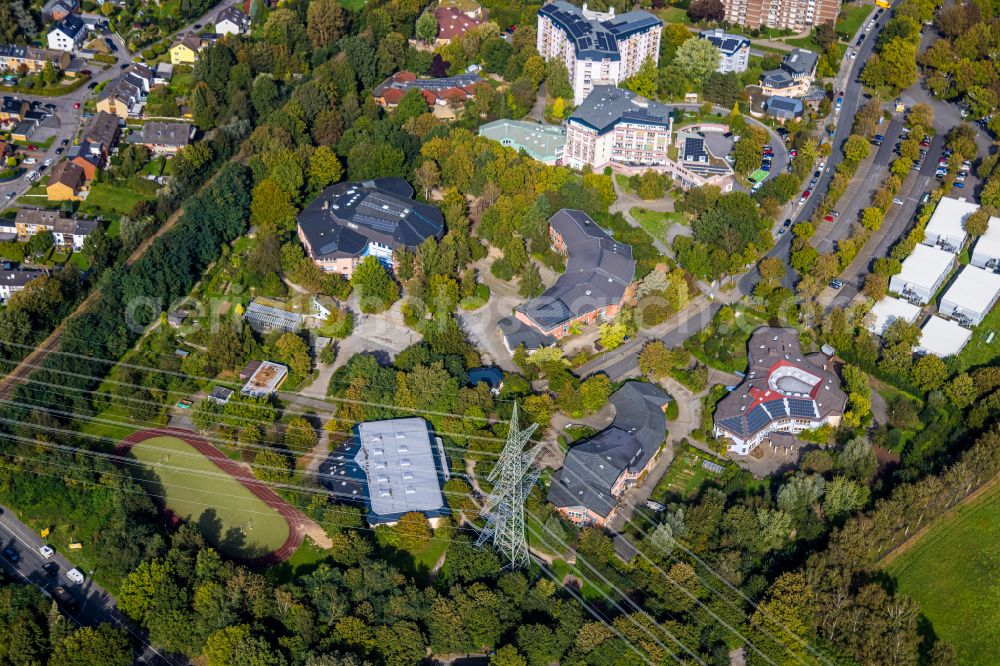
<point x="499" y="332"/>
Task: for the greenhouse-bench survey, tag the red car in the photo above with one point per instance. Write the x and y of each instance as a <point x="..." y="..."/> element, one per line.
<point x="76" y="105"/>
<point x="828" y="218"/>
<point x="32" y="147"/>
<point x="793" y="153"/>
<point x="805" y="195"/>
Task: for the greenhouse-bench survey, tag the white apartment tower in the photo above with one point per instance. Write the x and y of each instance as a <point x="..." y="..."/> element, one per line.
<point x="597" y="48"/>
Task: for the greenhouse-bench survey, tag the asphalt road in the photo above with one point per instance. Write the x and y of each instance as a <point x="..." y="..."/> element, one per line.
<point x="96" y="605"/>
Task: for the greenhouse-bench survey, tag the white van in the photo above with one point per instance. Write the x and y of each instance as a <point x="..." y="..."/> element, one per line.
<point x="75" y="576"/>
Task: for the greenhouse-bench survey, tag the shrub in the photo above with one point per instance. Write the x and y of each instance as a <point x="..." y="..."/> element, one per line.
<point x="501" y="269"/>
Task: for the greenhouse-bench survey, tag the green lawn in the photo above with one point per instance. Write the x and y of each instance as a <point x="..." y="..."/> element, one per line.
<point x="674" y="15"/>
<point x="685" y="476"/>
<point x="978" y="351"/>
<point x="851" y="18"/>
<point x="656" y="224"/>
<point x="112" y="199"/>
<point x="232" y="518"/>
<point x="805" y="43"/>
<point x="953" y="572"/>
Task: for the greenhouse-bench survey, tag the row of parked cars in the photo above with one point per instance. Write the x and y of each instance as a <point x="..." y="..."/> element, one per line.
<point x="51" y="569"/>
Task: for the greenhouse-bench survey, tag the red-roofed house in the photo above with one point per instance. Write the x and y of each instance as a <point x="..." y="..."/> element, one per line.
<point x="453" y="23"/>
<point x="436" y="91"/>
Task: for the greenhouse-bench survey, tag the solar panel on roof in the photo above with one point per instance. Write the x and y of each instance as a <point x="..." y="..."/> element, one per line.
<point x="801" y="407"/>
<point x="757" y="418"/>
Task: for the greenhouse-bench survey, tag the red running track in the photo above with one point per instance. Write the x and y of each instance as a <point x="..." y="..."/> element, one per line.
<point x="261" y="490"/>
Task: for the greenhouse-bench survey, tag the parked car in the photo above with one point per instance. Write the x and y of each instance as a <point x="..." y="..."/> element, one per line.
<point x="65" y="142"/>
<point x="835" y="213"/>
<point x="805" y="195"/>
<point x="897" y="201"/>
<point x="959" y="185"/>
<point x="793" y="152"/>
<point x="836" y="284"/>
<point x="50" y="569"/>
<point x="59" y="150"/>
<point x="76" y="105"/>
<point x="91" y="85"/>
<point x="861" y="38"/>
<point x="11" y="554"/>
<point x="48" y="161"/>
<point x="788" y="223"/>
<point x="46" y="551"/>
<point x="927" y="197"/>
<point x="828" y="218"/>
<point x="75" y="576"/>
<point x="65" y="599"/>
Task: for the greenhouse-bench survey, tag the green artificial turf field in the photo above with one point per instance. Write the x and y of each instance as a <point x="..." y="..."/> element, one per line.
<point x="196" y="490"/>
<point x="953" y="572"/>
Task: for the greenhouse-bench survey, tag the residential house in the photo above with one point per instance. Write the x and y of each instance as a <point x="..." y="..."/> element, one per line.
<point x="350" y="221"/>
<point x="598" y="48"/>
<point x="66" y="181"/>
<point x="231" y="21"/>
<point x="734" y="50"/>
<point x="164" y="72"/>
<point x="163" y="138"/>
<point x="102" y="131"/>
<point x="783" y="390"/>
<point x="14" y="58"/>
<point x="784" y="108"/>
<point x="67" y="35"/>
<point x="14" y="280"/>
<point x="598" y="272"/>
<point x="794" y="76"/>
<point x="453" y="23"/>
<point x="14" y="109"/>
<point x="598" y="470"/>
<point x="120" y="97"/>
<point x="184" y="51"/>
<point x="435" y="91"/>
<point x="57" y="10"/>
<point x="89" y="157"/>
<point x="67" y="232"/>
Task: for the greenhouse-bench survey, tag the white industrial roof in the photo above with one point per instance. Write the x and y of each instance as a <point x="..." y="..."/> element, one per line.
<point x="989" y="243"/>
<point x="949" y="216"/>
<point x="925" y="266"/>
<point x="398" y="459"/>
<point x="889" y="309"/>
<point x="942" y="337"/>
<point x="974" y="290"/>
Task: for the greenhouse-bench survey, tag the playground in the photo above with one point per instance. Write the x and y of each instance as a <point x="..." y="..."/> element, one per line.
<point x="194" y="482"/>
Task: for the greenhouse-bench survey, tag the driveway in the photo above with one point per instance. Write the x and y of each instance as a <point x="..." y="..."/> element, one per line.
<point x="96" y="605"/>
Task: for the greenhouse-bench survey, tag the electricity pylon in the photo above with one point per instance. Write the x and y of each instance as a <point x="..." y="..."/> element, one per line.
<point x="512" y="479"/>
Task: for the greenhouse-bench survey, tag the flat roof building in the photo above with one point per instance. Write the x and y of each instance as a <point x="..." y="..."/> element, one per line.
<point x="598" y="271"/>
<point x="971" y="296"/>
<point x="395" y="466"/>
<point x="544" y="143"/>
<point x="942" y="337"/>
<point x="946" y="228"/>
<point x="924" y="271"/>
<point x="783" y="391"/>
<point x="265" y="380"/>
<point x="888" y="310"/>
<point x="350" y="221"/>
<point x="986" y="251"/>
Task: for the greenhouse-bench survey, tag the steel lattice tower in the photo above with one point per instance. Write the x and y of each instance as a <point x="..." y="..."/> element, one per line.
<point x="512" y="479"/>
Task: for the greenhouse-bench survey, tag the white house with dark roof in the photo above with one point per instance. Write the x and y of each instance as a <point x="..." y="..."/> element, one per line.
<point x="784" y="391"/>
<point x="67" y="35"/>
<point x="734" y="50"/>
<point x="597" y="47"/>
<point x="793" y="77"/>
<point x="13" y="281"/>
<point x="232" y="21"/>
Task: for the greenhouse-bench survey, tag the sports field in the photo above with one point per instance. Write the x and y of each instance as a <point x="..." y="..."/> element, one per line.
<point x="954" y="574"/>
<point x="196" y="483"/>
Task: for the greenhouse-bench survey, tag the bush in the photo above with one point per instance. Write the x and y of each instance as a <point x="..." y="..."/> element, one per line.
<point x="106" y="58"/>
<point x="501" y="269"/>
<point x="149" y="54"/>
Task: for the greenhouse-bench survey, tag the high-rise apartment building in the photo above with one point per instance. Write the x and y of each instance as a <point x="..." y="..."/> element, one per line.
<point x="784" y="14"/>
<point x="597" y="47"/>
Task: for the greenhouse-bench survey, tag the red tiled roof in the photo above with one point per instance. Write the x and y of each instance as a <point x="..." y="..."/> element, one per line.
<point x="392" y="96"/>
<point x="401" y="77"/>
<point x="429" y="96"/>
<point x="453" y="23"/>
<point x="453" y="93"/>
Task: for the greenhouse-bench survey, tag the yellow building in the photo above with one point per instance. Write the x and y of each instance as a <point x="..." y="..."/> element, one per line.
<point x="185" y="50"/>
<point x="65" y="182"/>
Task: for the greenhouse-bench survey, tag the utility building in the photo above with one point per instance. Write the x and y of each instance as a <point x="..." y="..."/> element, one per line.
<point x="986" y="251"/>
<point x="888" y="310"/>
<point x="971" y="296"/>
<point x="946" y="228"/>
<point x="924" y="271"/>
<point x="942" y="337"/>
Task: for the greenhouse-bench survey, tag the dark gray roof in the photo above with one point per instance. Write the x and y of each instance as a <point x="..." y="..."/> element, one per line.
<point x="594" y="39"/>
<point x="780" y="383"/>
<point x="784" y="107"/>
<point x="606" y="106"/>
<point x="598" y="270"/>
<point x="725" y="42"/>
<point x="517" y="333"/>
<point x="102" y="129"/>
<point x="434" y="85"/>
<point x="71" y="26"/>
<point x="345" y="217"/>
<point x="592" y="467"/>
<point x="241" y="20"/>
<point x="800" y="62"/>
<point x="19" y="277"/>
<point x="166" y="134"/>
<point x="776" y="78"/>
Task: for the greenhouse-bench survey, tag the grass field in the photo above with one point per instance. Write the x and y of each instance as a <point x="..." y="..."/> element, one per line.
<point x="110" y="199"/>
<point x="978" y="352"/>
<point x="954" y="574"/>
<point x="656" y="224"/>
<point x="685" y="476"/>
<point x="851" y="18"/>
<point x="232" y="518"/>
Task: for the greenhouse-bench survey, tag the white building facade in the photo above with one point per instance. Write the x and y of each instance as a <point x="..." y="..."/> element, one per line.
<point x="597" y="47"/>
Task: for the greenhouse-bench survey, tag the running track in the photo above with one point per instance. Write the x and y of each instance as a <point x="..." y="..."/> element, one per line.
<point x="261" y="490"/>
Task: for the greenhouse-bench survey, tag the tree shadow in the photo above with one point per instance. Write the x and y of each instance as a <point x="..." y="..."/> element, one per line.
<point x="210" y="526"/>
